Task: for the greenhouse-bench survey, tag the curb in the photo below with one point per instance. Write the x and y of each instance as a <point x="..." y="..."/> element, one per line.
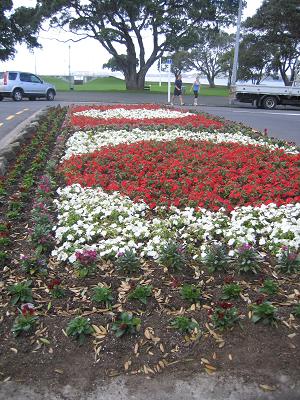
<point x="10" y="145"/>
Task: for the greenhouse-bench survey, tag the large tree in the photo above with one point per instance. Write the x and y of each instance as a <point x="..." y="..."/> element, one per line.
<point x="207" y="57"/>
<point x="277" y="24"/>
<point x="255" y="59"/>
<point x="16" y="26"/>
<point x="121" y="26"/>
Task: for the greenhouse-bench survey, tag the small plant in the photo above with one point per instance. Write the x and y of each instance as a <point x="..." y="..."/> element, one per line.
<point x="269" y="287"/>
<point x="4" y="258"/>
<point x="33" y="265"/>
<point x="224" y="316"/>
<point x="247" y="259"/>
<point x="289" y="261"/>
<point x="85" y="262"/>
<point x="264" y="312"/>
<point x="190" y="293"/>
<point x="20" y="292"/>
<point x="231" y="291"/>
<point x="296" y="310"/>
<point x="102" y="295"/>
<point x="26" y="319"/>
<point x="184" y="324"/>
<point x="172" y="256"/>
<point x="79" y="328"/>
<point x="55" y="288"/>
<point x="4" y="239"/>
<point x="216" y="258"/>
<point x="128" y="261"/>
<point x="126" y="324"/>
<point x="141" y="292"/>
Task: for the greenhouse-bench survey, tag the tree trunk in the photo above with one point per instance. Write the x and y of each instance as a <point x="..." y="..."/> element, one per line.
<point x="211" y="82"/>
<point x="134" y="80"/>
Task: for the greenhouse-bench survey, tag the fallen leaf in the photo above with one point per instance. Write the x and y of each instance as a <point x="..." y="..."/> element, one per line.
<point x="59" y="371"/>
<point x="13" y="350"/>
<point x="267" y="388"/>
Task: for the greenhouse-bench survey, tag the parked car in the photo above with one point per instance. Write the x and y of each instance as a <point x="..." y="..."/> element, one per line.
<point x="24" y="84"/>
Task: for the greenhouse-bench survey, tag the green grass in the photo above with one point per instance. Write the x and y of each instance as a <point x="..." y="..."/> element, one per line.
<point x="112" y="84"/>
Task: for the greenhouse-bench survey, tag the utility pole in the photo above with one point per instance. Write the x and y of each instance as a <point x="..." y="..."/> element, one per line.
<point x="70" y="78"/>
<point x="237" y="44"/>
<point x="159" y="71"/>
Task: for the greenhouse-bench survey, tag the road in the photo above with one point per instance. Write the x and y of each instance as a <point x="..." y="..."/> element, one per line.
<point x="283" y="123"/>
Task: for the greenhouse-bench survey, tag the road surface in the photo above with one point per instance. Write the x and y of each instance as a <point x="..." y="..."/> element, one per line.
<point x="283" y="123"/>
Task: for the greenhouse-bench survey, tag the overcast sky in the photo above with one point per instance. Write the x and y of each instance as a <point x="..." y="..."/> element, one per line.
<point x="86" y="56"/>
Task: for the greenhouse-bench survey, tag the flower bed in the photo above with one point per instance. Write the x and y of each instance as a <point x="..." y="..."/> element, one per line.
<point x="144" y="286"/>
<point x="84" y="116"/>
<point x="201" y="187"/>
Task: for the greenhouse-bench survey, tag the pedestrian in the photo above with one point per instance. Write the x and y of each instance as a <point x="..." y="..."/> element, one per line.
<point x="178" y="90"/>
<point x="196" y="88"/>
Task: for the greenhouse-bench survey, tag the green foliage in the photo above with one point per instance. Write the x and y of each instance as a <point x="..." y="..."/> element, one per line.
<point x="102" y="295"/>
<point x="23" y="323"/>
<point x="184" y="324"/>
<point x="191" y="293"/>
<point x="172" y="256"/>
<point x="270" y="287"/>
<point x="141" y="292"/>
<point x="289" y="261"/>
<point x="296" y="310"/>
<point x="126" y="324"/>
<point x="33" y="265"/>
<point x="231" y="291"/>
<point x="79" y="328"/>
<point x="128" y="262"/>
<point x="4" y="258"/>
<point x="20" y="292"/>
<point x="216" y="258"/>
<point x="276" y="26"/>
<point x="207" y="55"/>
<point x="171" y="27"/>
<point x="247" y="259"/>
<point x="264" y="312"/>
<point x="224" y="316"/>
<point x="16" y="26"/>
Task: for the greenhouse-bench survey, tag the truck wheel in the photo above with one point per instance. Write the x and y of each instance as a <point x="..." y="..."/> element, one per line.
<point x="17" y="95"/>
<point x="1" y="97"/>
<point x="269" y="102"/>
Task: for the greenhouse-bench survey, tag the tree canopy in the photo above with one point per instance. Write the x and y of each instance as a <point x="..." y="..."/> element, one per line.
<point x="16" y="26"/>
<point x="121" y="27"/>
<point x="277" y="27"/>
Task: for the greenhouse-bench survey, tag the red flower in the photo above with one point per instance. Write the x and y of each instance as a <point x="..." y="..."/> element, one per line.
<point x="190" y="173"/>
<point x="225" y="305"/>
<point x="54" y="282"/>
<point x="27" y="309"/>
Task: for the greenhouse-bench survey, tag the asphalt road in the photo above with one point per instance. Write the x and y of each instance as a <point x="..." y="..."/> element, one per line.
<point x="283" y="123"/>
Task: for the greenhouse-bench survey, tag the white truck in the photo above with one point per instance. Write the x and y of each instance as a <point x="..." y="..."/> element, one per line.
<point x="264" y="96"/>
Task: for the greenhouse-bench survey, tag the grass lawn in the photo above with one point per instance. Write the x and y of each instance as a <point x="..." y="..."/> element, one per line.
<point x="112" y="84"/>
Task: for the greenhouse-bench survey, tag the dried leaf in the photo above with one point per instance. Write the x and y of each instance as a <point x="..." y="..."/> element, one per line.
<point x="136" y="348"/>
<point x="13" y="350"/>
<point x="267" y="388"/>
<point x="59" y="371"/>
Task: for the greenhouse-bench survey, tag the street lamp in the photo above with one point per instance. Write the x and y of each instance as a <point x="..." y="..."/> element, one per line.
<point x="236" y="48"/>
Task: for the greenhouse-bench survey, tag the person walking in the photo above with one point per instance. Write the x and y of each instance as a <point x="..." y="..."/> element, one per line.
<point x="196" y="88"/>
<point x="178" y="90"/>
